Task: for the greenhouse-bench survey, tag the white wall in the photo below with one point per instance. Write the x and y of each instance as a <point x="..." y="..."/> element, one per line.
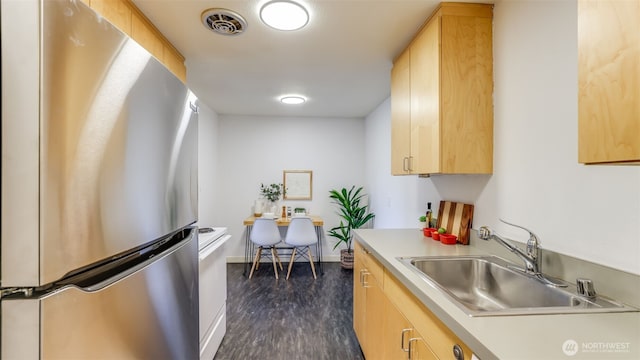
<point x="254" y="150"/>
<point x="397" y="201"/>
<point x="590" y="212"/>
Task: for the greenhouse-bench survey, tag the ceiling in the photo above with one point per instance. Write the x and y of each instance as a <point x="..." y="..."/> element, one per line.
<point x="341" y="61"/>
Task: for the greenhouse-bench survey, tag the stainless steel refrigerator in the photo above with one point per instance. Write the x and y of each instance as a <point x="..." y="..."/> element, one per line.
<point x="99" y="192"/>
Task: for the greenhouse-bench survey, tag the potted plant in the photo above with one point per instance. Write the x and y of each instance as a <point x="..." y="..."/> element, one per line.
<point x="354" y="215"/>
<point x="423" y="222"/>
<point x="272" y="193"/>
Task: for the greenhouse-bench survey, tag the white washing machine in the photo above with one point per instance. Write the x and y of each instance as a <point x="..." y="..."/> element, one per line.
<point x="213" y="289"/>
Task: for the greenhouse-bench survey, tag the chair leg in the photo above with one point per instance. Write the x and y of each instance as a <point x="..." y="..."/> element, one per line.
<point x="279" y="262"/>
<point x="293" y="257"/>
<point x="259" y="257"/>
<point x="273" y="260"/>
<point x="313" y="268"/>
<point x="256" y="260"/>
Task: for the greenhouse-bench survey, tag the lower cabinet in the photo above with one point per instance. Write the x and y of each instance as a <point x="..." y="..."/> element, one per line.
<point x="400" y="338"/>
<point x="391" y="323"/>
<point x="369" y="297"/>
<point x="359" y="297"/>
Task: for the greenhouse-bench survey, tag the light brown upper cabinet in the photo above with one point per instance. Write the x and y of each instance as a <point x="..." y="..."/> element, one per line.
<point x="126" y="16"/>
<point x="442" y="95"/>
<point x="608" y="81"/>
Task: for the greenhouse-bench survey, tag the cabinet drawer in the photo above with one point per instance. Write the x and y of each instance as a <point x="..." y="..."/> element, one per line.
<point x="437" y="335"/>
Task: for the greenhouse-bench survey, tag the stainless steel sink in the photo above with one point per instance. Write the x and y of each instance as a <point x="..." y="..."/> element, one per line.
<point x="488" y="286"/>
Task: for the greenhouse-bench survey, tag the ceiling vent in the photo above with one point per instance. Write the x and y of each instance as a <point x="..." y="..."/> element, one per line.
<point x="223" y="21"/>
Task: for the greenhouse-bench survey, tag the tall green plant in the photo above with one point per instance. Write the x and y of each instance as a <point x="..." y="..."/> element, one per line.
<point x="352" y="213"/>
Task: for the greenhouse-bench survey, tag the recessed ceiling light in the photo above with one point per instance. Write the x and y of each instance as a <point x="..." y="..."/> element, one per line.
<point x="292" y="100"/>
<point x="284" y="15"/>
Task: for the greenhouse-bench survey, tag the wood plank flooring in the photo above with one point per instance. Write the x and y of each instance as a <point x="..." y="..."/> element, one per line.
<point x="300" y="318"/>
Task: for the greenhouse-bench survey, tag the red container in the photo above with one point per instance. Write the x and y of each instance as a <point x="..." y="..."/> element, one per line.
<point x="448" y="239"/>
<point x="435" y="235"/>
<point x="428" y="231"/>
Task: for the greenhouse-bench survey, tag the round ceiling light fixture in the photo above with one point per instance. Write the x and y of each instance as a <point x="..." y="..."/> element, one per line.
<point x="284" y="15"/>
<point x="292" y="99"/>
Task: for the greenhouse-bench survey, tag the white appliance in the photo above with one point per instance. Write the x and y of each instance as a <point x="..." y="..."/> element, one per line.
<point x="213" y="289"/>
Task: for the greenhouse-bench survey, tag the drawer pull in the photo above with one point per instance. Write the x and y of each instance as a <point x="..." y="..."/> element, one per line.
<point x="404" y="331"/>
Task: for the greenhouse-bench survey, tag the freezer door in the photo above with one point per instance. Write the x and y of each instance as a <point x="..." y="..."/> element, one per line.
<point x="117" y="153"/>
<point x="150" y="313"/>
<point x="118" y="161"/>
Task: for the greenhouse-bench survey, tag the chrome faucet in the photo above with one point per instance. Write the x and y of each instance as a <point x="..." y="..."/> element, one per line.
<point x="532" y="256"/>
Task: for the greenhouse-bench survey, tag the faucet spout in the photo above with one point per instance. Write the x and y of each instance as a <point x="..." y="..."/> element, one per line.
<point x="531" y="257"/>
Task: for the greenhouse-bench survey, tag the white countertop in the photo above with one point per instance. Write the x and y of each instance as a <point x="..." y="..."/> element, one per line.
<point x="598" y="336"/>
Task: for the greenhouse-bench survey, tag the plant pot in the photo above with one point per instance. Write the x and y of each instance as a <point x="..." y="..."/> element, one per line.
<point x="346" y="259"/>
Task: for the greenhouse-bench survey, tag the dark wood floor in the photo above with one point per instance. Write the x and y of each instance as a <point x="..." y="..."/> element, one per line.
<point x="300" y="318"/>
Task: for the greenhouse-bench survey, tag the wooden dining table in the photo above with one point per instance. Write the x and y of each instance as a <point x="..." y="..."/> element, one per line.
<point x="249" y="247"/>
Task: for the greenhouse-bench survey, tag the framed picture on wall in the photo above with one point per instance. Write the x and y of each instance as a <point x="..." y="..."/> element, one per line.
<point x="297" y="184"/>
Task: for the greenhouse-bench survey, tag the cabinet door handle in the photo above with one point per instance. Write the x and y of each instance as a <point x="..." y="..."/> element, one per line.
<point x="365" y="283"/>
<point x="361" y="277"/>
<point x="405" y="164"/>
<point x="404" y="331"/>
<point x="411" y="347"/>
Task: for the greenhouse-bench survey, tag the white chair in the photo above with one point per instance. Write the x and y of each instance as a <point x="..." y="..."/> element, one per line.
<point x="300" y="235"/>
<point x="265" y="234"/>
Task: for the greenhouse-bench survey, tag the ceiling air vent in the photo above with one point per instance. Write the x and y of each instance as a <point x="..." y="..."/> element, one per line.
<point x="223" y="21"/>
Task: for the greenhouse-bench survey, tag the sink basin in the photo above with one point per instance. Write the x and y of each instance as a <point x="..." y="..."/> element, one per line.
<point x="488" y="286"/>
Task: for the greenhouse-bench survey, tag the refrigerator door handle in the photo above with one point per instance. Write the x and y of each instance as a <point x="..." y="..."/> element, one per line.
<point x="26" y="292"/>
<point x="103" y="276"/>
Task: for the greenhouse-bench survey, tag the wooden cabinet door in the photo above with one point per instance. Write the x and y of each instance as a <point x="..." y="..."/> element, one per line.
<point x="420" y="350"/>
<point x="466" y="93"/>
<point x="400" y="337"/>
<point x="397" y="332"/>
<point x="425" y="99"/>
<point x="368" y="304"/>
<point x="401" y="114"/>
<point x="451" y="94"/>
<point x="374" y="316"/>
<point x="440" y="339"/>
<point x="359" y="305"/>
<point x="608" y="81"/>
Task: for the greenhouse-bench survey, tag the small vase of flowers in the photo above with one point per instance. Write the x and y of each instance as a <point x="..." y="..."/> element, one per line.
<point x="272" y="194"/>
